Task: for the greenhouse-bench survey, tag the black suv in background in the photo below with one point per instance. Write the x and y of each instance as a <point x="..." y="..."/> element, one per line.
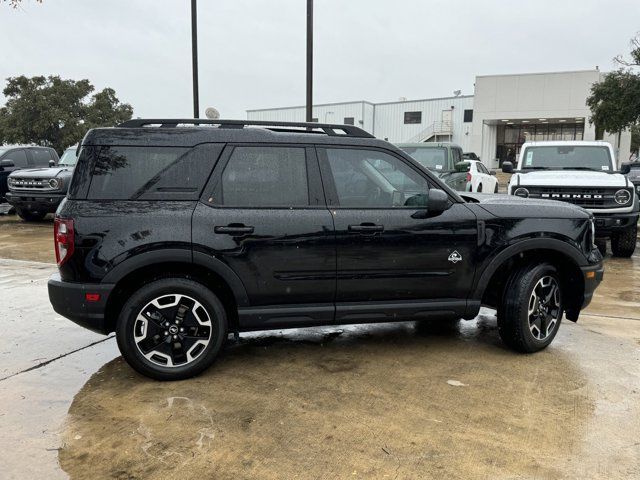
<point x="36" y="192"/>
<point x="174" y="234"/>
<point x="20" y="157"/>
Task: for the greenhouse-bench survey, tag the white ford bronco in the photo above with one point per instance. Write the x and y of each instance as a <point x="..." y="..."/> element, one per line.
<point x="585" y="174"/>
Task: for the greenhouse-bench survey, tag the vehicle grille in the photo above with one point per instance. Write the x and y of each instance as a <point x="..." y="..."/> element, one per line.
<point x="30" y="184"/>
<point x="583" y="197"/>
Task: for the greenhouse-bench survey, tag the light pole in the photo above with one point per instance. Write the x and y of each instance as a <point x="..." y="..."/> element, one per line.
<point x="309" y="105"/>
<point x="194" y="57"/>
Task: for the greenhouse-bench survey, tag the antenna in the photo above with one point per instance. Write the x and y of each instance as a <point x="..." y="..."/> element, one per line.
<point x="212" y="113"/>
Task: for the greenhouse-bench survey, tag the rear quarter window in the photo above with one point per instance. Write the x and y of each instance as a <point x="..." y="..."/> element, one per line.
<point x="149" y="173"/>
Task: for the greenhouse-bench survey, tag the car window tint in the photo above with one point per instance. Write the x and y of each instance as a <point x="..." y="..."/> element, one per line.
<point x="370" y="178"/>
<point x="19" y="158"/>
<point x="265" y="177"/>
<point x="145" y="173"/>
<point x="40" y="157"/>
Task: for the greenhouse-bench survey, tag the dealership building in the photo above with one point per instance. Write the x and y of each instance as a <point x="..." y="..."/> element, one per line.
<point x="504" y="112"/>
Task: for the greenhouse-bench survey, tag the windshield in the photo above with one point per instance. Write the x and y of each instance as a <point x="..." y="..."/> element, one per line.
<point x="567" y="157"/>
<point x="429" y="157"/>
<point x="69" y="158"/>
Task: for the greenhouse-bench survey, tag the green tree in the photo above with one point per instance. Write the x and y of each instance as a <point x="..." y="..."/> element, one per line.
<point x="615" y="101"/>
<point x="56" y="112"/>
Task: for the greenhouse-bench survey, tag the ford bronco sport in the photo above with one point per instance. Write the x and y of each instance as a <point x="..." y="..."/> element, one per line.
<point x="175" y="233"/>
<point x="585" y="174"/>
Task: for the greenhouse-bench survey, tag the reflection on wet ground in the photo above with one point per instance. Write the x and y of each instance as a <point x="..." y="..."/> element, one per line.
<point x="378" y="401"/>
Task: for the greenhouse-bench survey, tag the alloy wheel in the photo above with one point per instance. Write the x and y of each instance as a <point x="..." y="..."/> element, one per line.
<point x="172" y="330"/>
<point x="544" y="308"/>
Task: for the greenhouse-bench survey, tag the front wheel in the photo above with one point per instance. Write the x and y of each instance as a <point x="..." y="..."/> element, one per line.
<point x="495" y="190"/>
<point x="531" y="308"/>
<point x="479" y="188"/>
<point x="171" y="329"/>
<point x="30" y="215"/>
<point x="623" y="243"/>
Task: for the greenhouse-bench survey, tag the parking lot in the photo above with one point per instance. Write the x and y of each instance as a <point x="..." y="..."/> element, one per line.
<point x="399" y="400"/>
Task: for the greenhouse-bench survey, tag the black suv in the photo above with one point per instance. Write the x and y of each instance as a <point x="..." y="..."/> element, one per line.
<point x="175" y="233"/>
<point x="19" y="157"/>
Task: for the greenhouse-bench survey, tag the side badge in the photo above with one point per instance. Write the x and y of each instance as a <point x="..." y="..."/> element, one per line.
<point x="455" y="257"/>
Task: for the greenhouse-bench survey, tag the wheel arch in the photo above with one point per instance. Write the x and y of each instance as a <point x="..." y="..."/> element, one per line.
<point x="211" y="272"/>
<point x="489" y="289"/>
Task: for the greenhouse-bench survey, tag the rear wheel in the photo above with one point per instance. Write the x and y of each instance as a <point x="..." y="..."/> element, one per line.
<point x="479" y="188"/>
<point x="30" y="215"/>
<point x="171" y="329"/>
<point x="495" y="190"/>
<point x="623" y="243"/>
<point x="532" y="308"/>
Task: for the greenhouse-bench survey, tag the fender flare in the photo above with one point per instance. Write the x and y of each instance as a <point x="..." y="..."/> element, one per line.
<point x="523" y="246"/>
<point x="179" y="255"/>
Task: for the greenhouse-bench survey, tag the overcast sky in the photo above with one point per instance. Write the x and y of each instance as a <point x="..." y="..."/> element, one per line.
<point x="252" y="52"/>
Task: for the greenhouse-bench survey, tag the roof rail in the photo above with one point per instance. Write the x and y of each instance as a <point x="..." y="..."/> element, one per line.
<point x="290" y="127"/>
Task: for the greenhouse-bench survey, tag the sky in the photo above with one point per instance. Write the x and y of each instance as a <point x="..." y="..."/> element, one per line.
<point x="252" y="52"/>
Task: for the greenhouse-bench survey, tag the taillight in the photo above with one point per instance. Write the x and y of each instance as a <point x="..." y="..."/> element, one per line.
<point x="64" y="239"/>
<point x="468" y="177"/>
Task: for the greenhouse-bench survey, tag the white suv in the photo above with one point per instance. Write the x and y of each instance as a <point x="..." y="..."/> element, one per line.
<point x="585" y="174"/>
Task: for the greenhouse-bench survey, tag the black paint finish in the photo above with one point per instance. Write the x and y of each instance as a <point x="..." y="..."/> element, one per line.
<point x="313" y="265"/>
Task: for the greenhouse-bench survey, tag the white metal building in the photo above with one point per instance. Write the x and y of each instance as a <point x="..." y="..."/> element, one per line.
<point x="505" y="112"/>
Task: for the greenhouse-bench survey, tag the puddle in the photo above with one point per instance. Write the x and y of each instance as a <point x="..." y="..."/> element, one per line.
<point x="375" y="400"/>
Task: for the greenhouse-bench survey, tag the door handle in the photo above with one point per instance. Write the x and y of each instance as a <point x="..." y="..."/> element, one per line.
<point x="366" y="228"/>
<point x="234" y="229"/>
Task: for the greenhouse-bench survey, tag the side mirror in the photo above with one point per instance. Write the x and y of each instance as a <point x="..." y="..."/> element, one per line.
<point x="438" y="201"/>
<point x="625" y="168"/>
<point x="462" y="167"/>
<point x="7" y="163"/>
<point x="52" y="163"/>
<point x="507" y="167"/>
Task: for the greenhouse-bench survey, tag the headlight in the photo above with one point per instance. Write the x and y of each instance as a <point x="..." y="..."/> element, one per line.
<point x="521" y="192"/>
<point x="54" y="183"/>
<point x="11" y="181"/>
<point x="622" y="197"/>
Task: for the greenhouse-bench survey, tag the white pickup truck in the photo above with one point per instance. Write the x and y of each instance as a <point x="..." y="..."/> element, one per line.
<point x="585" y="174"/>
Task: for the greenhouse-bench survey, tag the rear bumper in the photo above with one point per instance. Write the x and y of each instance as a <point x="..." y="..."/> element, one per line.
<point x="69" y="300"/>
<point x="37" y="201"/>
<point x="593" y="275"/>
<point x="607" y="223"/>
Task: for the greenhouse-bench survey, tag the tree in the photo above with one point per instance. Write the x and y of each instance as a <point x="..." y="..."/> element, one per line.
<point x="55" y="112"/>
<point x="615" y="101"/>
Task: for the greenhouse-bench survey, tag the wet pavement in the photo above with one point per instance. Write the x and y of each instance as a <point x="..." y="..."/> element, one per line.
<point x="399" y="400"/>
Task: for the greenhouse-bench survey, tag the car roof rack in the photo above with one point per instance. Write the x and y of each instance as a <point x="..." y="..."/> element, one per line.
<point x="289" y="127"/>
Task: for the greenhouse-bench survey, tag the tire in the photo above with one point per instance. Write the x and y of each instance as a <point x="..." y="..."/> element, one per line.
<point x="495" y="190"/>
<point x="601" y="243"/>
<point x="182" y="304"/>
<point x="30" y="215"/>
<point x="623" y="243"/>
<point x="520" y="320"/>
<point x="479" y="188"/>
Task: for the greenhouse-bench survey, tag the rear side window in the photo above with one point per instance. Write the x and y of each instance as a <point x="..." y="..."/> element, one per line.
<point x="148" y="173"/>
<point x="265" y="177"/>
<point x="40" y="157"/>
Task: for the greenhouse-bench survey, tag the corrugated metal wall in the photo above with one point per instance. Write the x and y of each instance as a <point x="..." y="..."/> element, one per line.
<point x="384" y="120"/>
<point x="329" y="113"/>
<point x="389" y="118"/>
